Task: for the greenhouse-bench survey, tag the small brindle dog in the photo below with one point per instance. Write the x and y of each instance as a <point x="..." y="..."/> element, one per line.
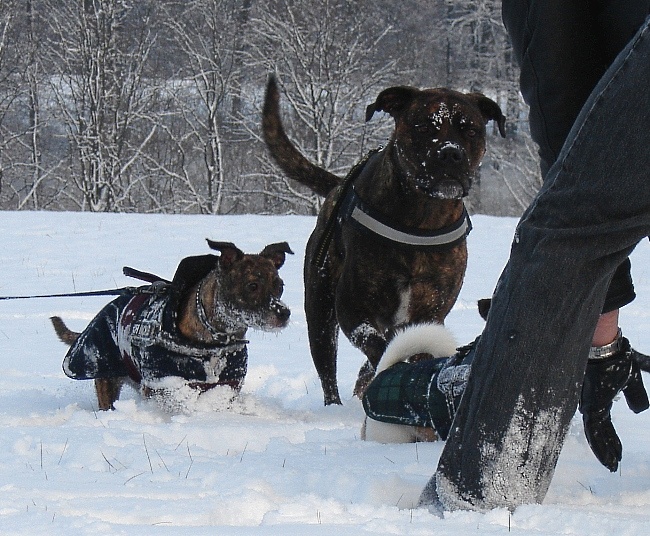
<point x="191" y="328"/>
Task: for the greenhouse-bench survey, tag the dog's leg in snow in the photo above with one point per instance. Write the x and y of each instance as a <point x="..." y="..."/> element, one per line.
<point x="108" y="391"/>
<point x="323" y="329"/>
<point x="373" y="345"/>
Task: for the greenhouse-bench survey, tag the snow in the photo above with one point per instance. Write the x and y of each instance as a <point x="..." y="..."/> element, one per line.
<point x="278" y="462"/>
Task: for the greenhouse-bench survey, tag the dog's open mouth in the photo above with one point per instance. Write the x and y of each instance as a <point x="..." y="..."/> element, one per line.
<point x="444" y="189"/>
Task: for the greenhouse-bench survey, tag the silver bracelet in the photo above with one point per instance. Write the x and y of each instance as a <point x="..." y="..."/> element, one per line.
<point x="608" y="350"/>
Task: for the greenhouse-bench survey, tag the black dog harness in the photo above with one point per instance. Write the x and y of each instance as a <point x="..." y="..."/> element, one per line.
<point x="367" y="219"/>
<point x="349" y="207"/>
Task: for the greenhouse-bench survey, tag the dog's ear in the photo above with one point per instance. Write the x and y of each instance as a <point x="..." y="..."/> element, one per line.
<point x="276" y="252"/>
<point x="230" y="253"/>
<point x="392" y="101"/>
<point x="490" y="110"/>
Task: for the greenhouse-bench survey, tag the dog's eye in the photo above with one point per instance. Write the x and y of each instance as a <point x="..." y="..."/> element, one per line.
<point x="252" y="287"/>
<point x="471" y="132"/>
<point x="422" y="128"/>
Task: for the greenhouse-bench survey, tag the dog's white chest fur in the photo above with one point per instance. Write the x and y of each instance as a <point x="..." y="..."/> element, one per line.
<point x="402" y="314"/>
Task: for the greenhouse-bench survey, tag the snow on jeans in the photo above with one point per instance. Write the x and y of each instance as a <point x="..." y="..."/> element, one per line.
<point x="591" y="212"/>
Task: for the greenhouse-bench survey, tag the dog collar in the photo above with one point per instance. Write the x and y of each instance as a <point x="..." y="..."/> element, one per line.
<point x="219" y="338"/>
<point x="151" y="332"/>
<point x="369" y="219"/>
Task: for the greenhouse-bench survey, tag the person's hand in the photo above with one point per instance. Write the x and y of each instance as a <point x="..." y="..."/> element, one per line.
<point x="604" y="379"/>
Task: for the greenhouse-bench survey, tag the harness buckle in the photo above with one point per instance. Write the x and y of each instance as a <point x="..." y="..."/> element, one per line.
<point x="157" y="288"/>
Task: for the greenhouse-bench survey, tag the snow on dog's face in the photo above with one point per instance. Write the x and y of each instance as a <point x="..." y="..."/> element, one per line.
<point x="248" y="288"/>
<point x="439" y="137"/>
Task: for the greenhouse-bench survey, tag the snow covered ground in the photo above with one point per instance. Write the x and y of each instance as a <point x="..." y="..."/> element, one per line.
<point x="279" y="462"/>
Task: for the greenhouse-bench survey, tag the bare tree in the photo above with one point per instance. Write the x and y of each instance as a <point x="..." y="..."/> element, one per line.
<point x="36" y="170"/>
<point x="324" y="56"/>
<point x="99" y="49"/>
<point x="208" y="35"/>
<point x="32" y="76"/>
<point x="10" y="87"/>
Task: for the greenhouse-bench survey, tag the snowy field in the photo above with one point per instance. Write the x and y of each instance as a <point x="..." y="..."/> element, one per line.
<point x="278" y="462"/>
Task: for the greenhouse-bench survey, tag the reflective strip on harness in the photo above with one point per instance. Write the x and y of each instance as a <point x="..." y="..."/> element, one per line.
<point x="381" y="229"/>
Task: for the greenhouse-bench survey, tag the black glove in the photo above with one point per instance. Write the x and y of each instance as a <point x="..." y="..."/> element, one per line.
<point x="604" y="379"/>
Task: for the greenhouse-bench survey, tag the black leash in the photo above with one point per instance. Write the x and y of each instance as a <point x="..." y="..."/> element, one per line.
<point x="110" y="292"/>
<point x="157" y="283"/>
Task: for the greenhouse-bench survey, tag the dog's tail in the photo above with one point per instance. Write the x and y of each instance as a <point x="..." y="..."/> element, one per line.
<point x="65" y="334"/>
<point x="285" y="153"/>
<point x="431" y="338"/>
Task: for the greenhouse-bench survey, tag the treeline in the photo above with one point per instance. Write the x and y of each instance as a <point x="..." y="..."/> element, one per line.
<point x="154" y="105"/>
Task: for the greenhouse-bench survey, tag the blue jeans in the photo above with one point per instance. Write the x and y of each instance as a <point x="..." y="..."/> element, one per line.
<point x="592" y="210"/>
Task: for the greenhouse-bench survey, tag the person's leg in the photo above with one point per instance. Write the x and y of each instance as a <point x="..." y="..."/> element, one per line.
<point x="616" y="22"/>
<point x="557" y="48"/>
<point x="530" y="360"/>
<point x="563" y="48"/>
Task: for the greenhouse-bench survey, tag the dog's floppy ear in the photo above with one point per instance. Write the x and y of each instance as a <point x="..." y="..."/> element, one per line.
<point x="490" y="110"/>
<point x="276" y="252"/>
<point x="392" y="101"/>
<point x="230" y="253"/>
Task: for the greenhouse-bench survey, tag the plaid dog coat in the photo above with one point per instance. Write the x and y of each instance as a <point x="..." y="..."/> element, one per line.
<point x="425" y="393"/>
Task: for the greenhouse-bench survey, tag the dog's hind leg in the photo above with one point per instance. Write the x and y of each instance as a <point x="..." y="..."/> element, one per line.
<point x="108" y="391"/>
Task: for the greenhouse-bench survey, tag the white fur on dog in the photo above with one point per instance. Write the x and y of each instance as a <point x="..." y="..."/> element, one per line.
<point x="434" y="339"/>
<point x="387" y="432"/>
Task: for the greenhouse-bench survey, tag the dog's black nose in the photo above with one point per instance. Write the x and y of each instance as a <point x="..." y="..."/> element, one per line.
<point x="280" y="310"/>
<point x="450" y="154"/>
<point x="283" y="314"/>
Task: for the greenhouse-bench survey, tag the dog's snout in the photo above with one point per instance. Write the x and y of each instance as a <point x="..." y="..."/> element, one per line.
<point x="284" y="314"/>
<point x="450" y="154"/>
<point x="280" y="311"/>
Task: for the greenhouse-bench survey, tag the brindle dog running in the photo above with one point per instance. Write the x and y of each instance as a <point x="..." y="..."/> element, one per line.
<point x="388" y="249"/>
<point x="191" y="328"/>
